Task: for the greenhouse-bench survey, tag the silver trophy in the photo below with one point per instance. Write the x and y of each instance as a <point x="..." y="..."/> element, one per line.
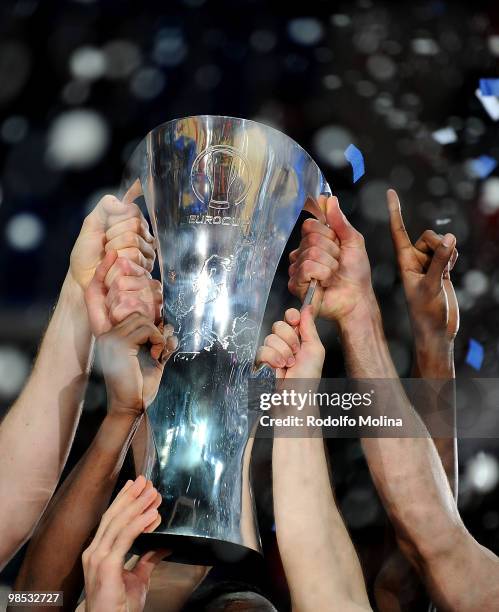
<point x="223" y="195"/>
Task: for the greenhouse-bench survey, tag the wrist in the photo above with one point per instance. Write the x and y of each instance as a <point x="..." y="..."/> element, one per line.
<point x="72" y="293"/>
<point x="129" y="409"/>
<point x="364" y="316"/>
<point x="121" y="421"/>
<point x="434" y="355"/>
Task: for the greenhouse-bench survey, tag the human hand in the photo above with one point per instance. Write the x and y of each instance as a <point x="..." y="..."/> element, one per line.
<point x="112" y="225"/>
<point x="131" y="289"/>
<point x="108" y="586"/>
<point x="133" y="372"/>
<point x="336" y="256"/>
<point x="425" y="269"/>
<point x="294" y="348"/>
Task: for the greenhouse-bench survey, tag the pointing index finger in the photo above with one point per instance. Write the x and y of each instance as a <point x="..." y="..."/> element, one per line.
<point x="400" y="237"/>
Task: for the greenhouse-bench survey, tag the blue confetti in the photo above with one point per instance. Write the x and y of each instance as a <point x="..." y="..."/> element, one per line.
<point x="356" y="160"/>
<point x="482" y="166"/>
<point x="474" y="358"/>
<point x="489" y="87"/>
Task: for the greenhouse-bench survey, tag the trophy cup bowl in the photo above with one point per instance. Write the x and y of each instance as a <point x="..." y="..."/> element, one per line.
<point x="223" y="195"/>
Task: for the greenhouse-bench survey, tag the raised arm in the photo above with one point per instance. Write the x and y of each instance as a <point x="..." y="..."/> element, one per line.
<point x="52" y="561"/>
<point x="458" y="572"/>
<point x="320" y="562"/>
<point x="425" y="268"/>
<point x="37" y="432"/>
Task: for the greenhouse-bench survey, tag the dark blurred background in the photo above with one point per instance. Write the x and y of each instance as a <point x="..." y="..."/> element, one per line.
<point x="81" y="82"/>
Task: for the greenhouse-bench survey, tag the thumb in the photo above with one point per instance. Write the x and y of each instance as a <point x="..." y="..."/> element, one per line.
<point x="308" y="330"/>
<point x="338" y="222"/>
<point x="103" y="268"/>
<point x="107" y="206"/>
<point x="147" y="563"/>
<point x="440" y="261"/>
<point x="95" y="296"/>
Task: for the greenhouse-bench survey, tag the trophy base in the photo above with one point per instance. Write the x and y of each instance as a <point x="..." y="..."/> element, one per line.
<point x="194" y="550"/>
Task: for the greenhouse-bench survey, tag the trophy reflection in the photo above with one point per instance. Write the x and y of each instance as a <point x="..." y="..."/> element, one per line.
<point x="223" y="195"/>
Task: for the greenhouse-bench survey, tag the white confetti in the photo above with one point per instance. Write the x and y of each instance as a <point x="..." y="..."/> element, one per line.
<point x="442" y="221"/>
<point x="445" y="135"/>
<point x="490" y="104"/>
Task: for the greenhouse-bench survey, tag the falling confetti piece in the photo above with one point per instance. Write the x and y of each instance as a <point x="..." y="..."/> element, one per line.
<point x="482" y="166"/>
<point x="356" y="160"/>
<point x="489" y="87"/>
<point x="445" y="135"/>
<point x="474" y="357"/>
<point x="490" y="104"/>
<point x="442" y="221"/>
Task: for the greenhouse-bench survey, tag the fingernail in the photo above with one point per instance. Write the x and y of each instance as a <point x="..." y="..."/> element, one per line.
<point x="447" y="240"/>
<point x="150" y="514"/>
<point x="149" y="493"/>
<point x="291" y="362"/>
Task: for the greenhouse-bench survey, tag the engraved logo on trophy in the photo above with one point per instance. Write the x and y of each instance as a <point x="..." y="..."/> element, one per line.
<point x="221" y="179"/>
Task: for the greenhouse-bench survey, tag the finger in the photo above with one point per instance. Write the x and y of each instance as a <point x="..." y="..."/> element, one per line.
<point x="128" y="303"/>
<point x="170" y="347"/>
<point x="136" y="255"/>
<point x="150" y="528"/>
<point x="268" y="355"/>
<point x="124" y="497"/>
<point x="96" y="291"/>
<point x="287" y="334"/>
<point x="308" y="270"/>
<point x="130" y="240"/>
<point x="440" y="261"/>
<point x="292" y="316"/>
<point x="127" y="514"/>
<point x="428" y="241"/>
<point x="308" y="330"/>
<point x="117" y="214"/>
<point x="137" y="287"/>
<point x="315" y="254"/>
<point x="127" y="534"/>
<point x="400" y="237"/>
<point x="105" y="266"/>
<point x="136" y="225"/>
<point x="338" y="222"/>
<point x="314" y="226"/>
<point x="279" y="345"/>
<point x="124" y="267"/>
<point x="453" y="259"/>
<point x="316" y="240"/>
<point x="148" y="332"/>
<point x="108" y="206"/>
<point x="146" y="564"/>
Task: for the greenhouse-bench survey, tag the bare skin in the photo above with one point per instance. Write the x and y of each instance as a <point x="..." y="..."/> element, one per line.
<point x="49" y="406"/>
<point x="321" y="566"/>
<point x="108" y="586"/>
<point x="434" y="315"/>
<point x="132" y="377"/>
<point x="459" y="574"/>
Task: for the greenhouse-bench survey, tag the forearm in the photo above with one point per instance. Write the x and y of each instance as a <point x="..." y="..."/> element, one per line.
<point x="434" y="360"/>
<point x="52" y="561"/>
<point x="320" y="562"/>
<point x="37" y="432"/>
<point x="407" y="472"/>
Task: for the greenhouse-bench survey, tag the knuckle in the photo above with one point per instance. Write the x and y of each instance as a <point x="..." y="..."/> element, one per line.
<point x="308" y="225"/>
<point x="313" y="253"/>
<point x="121" y="283"/>
<point x="131" y="238"/>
